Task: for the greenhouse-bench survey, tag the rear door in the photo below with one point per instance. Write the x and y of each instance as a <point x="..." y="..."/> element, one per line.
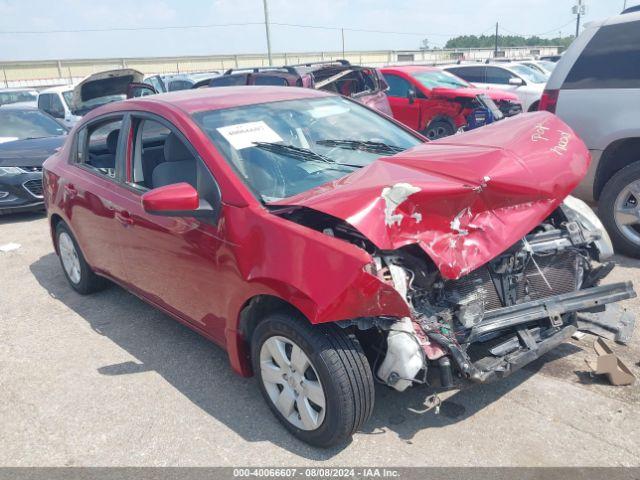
<point x="92" y="191"/>
<point x="404" y="110"/>
<point x="172" y="261"/>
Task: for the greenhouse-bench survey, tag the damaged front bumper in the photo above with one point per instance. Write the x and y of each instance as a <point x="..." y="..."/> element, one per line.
<point x="536" y="327"/>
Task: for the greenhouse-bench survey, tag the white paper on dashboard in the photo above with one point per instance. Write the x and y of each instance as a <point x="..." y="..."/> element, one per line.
<point x="243" y="135"/>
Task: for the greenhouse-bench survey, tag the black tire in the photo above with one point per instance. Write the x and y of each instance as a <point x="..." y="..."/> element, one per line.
<point x="88" y="282"/>
<point x="438" y="129"/>
<point x="626" y="243"/>
<point x="341" y="367"/>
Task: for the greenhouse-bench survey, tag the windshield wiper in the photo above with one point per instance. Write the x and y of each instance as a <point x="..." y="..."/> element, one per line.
<point x="298" y="153"/>
<point x="363" y="145"/>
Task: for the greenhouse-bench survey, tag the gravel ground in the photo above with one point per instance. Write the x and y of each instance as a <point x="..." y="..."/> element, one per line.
<point x="107" y="380"/>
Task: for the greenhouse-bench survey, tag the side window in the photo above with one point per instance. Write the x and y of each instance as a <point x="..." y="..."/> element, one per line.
<point x="470" y="74"/>
<point x="270" y="80"/>
<point x="229" y="80"/>
<point x="155" y="83"/>
<point x="610" y="60"/>
<point x="498" y="76"/>
<point x="159" y="157"/>
<point x="175" y="85"/>
<point x="57" y="109"/>
<point x="398" y="86"/>
<point x="44" y="102"/>
<point x="97" y="146"/>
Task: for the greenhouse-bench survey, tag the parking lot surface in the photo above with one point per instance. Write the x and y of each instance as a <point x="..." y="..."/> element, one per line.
<point x="107" y="380"/>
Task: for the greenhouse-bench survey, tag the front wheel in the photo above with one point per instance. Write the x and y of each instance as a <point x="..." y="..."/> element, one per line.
<point x="438" y="129"/>
<point x="620" y="209"/>
<point x="316" y="379"/>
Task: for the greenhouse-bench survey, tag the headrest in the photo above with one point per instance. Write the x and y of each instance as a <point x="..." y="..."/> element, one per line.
<point x="112" y="141"/>
<point x="174" y="149"/>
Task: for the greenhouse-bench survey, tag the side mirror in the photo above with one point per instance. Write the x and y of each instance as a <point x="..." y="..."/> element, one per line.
<point x="176" y="200"/>
<point x="411" y="95"/>
<point x="516" y="81"/>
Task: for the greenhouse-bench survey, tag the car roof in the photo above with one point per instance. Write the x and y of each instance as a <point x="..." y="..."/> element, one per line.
<point x="411" y="68"/>
<point x="191" y="101"/>
<point x="58" y="89"/>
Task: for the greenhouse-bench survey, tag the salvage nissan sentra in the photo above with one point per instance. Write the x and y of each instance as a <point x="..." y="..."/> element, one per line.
<point x="324" y="245"/>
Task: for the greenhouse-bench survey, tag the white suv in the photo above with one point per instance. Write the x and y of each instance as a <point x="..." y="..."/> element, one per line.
<point x="56" y="102"/>
<point x="526" y="83"/>
<point x="595" y="88"/>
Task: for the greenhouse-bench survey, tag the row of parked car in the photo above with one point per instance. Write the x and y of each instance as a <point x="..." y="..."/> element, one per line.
<point x="435" y="101"/>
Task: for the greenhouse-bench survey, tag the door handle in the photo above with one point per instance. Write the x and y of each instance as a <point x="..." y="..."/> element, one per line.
<point x="124" y="218"/>
<point x="70" y="190"/>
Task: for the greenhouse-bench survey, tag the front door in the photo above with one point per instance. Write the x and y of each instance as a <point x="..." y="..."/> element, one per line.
<point x="172" y="261"/>
<point x="405" y="110"/>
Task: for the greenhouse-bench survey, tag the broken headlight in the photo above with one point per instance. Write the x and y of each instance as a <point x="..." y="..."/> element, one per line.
<point x="578" y="211"/>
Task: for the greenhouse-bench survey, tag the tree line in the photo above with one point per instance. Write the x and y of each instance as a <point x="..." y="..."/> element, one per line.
<point x="488" y="41"/>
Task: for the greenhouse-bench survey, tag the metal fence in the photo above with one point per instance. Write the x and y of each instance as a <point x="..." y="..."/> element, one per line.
<point x="59" y="72"/>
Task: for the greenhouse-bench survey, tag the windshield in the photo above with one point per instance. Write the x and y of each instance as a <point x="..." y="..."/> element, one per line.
<point x="284" y="148"/>
<point x="7" y="98"/>
<point x="439" y="78"/>
<point x="20" y="124"/>
<point x="529" y="74"/>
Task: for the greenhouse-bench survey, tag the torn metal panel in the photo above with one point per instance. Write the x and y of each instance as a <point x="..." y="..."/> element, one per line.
<point x="615" y="323"/>
<point x="498" y="182"/>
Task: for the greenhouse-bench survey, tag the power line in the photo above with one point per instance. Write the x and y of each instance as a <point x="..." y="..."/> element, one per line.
<point x="216" y="25"/>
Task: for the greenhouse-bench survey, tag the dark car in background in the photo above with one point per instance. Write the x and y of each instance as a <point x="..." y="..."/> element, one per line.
<point x="364" y="84"/>
<point x="28" y="137"/>
<point x="26" y="96"/>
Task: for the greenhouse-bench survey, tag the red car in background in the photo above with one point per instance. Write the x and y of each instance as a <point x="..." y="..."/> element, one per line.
<point x="437" y="103"/>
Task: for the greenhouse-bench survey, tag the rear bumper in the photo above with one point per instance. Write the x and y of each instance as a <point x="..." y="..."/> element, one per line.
<point x="536" y="327"/>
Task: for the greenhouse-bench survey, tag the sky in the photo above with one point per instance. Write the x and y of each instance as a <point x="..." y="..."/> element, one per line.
<point x="147" y="26"/>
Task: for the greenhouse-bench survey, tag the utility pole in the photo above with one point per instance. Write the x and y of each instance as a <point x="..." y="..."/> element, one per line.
<point x="342" y="31"/>
<point x="266" y="27"/>
<point x="579" y="10"/>
<point x="495" y="50"/>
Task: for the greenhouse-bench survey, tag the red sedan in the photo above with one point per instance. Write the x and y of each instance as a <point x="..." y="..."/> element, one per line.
<point x="437" y="103"/>
<point x="324" y="245"/>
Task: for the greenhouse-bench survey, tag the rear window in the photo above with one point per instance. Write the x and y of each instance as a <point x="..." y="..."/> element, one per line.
<point x="610" y="60"/>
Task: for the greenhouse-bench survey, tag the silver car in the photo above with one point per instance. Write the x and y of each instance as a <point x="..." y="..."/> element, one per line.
<point x="595" y="88"/>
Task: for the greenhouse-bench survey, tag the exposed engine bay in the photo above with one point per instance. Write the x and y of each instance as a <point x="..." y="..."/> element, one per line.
<point x="497" y="318"/>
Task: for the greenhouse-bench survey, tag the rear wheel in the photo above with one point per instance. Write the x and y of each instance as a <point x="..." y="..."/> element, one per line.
<point x="438" y="129"/>
<point x="316" y="379"/>
<point x="75" y="267"/>
<point x="620" y="209"/>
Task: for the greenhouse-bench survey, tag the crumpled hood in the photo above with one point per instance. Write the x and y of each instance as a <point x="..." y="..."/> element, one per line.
<point x="463" y="199"/>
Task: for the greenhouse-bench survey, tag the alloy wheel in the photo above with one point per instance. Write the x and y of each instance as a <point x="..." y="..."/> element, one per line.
<point x="627" y="212"/>
<point x="69" y="256"/>
<point x="292" y="383"/>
